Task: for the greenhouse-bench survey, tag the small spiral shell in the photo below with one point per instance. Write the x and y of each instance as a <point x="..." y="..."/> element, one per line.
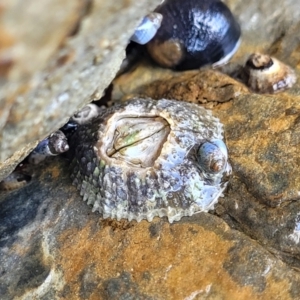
<point x="86" y="114"/>
<point x="212" y="157"/>
<point x="55" y="144"/>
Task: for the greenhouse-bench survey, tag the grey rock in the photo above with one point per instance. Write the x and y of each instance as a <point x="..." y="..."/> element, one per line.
<point x="76" y="66"/>
<point x="52" y="246"/>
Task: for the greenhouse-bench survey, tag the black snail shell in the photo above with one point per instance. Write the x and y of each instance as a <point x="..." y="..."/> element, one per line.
<point x="194" y="33"/>
<point x="147" y="158"/>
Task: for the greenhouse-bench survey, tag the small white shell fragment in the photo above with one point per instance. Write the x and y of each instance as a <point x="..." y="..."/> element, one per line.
<point x="86" y="114"/>
<point x="147" y="29"/>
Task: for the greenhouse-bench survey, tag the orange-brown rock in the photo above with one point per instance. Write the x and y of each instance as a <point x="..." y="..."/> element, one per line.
<point x="205" y="87"/>
<point x="68" y="252"/>
<point x="53" y="247"/>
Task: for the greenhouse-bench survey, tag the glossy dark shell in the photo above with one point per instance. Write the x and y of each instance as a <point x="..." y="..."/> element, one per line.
<point x="194" y="34"/>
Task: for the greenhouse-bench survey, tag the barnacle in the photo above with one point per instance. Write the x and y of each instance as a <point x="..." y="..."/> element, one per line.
<point x="266" y="74"/>
<point x="86" y="114"/>
<point x="146" y="158"/>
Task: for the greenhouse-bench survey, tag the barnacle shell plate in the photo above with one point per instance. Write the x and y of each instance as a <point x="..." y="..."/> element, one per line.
<point x="266" y="74"/>
<point x="138" y="160"/>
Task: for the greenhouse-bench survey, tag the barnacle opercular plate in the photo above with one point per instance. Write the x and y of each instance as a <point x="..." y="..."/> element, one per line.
<point x="147" y="158"/>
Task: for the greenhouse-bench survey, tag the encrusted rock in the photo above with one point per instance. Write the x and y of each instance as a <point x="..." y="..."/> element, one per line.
<point x="206" y="87"/>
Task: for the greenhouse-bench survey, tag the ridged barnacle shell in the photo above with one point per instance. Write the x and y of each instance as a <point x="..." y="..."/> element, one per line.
<point x="145" y="158"/>
<point x="266" y="74"/>
<point x="194" y="33"/>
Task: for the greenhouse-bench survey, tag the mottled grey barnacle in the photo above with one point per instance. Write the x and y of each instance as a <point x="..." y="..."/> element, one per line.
<point x="194" y="33"/>
<point x="266" y="74"/>
<point x="138" y="160"/>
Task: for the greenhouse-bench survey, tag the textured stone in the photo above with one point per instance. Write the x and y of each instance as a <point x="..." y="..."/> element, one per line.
<point x="205" y="87"/>
<point x="268" y="26"/>
<point x="262" y="134"/>
<point x="48" y="76"/>
<point x="133" y="82"/>
<point x="53" y="247"/>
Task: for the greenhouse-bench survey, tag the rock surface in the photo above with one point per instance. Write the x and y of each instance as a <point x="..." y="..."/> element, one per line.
<point x="63" y="56"/>
<point x="53" y="247"/>
<point x="269" y="26"/>
<point x="263" y="137"/>
<point x="205" y="87"/>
